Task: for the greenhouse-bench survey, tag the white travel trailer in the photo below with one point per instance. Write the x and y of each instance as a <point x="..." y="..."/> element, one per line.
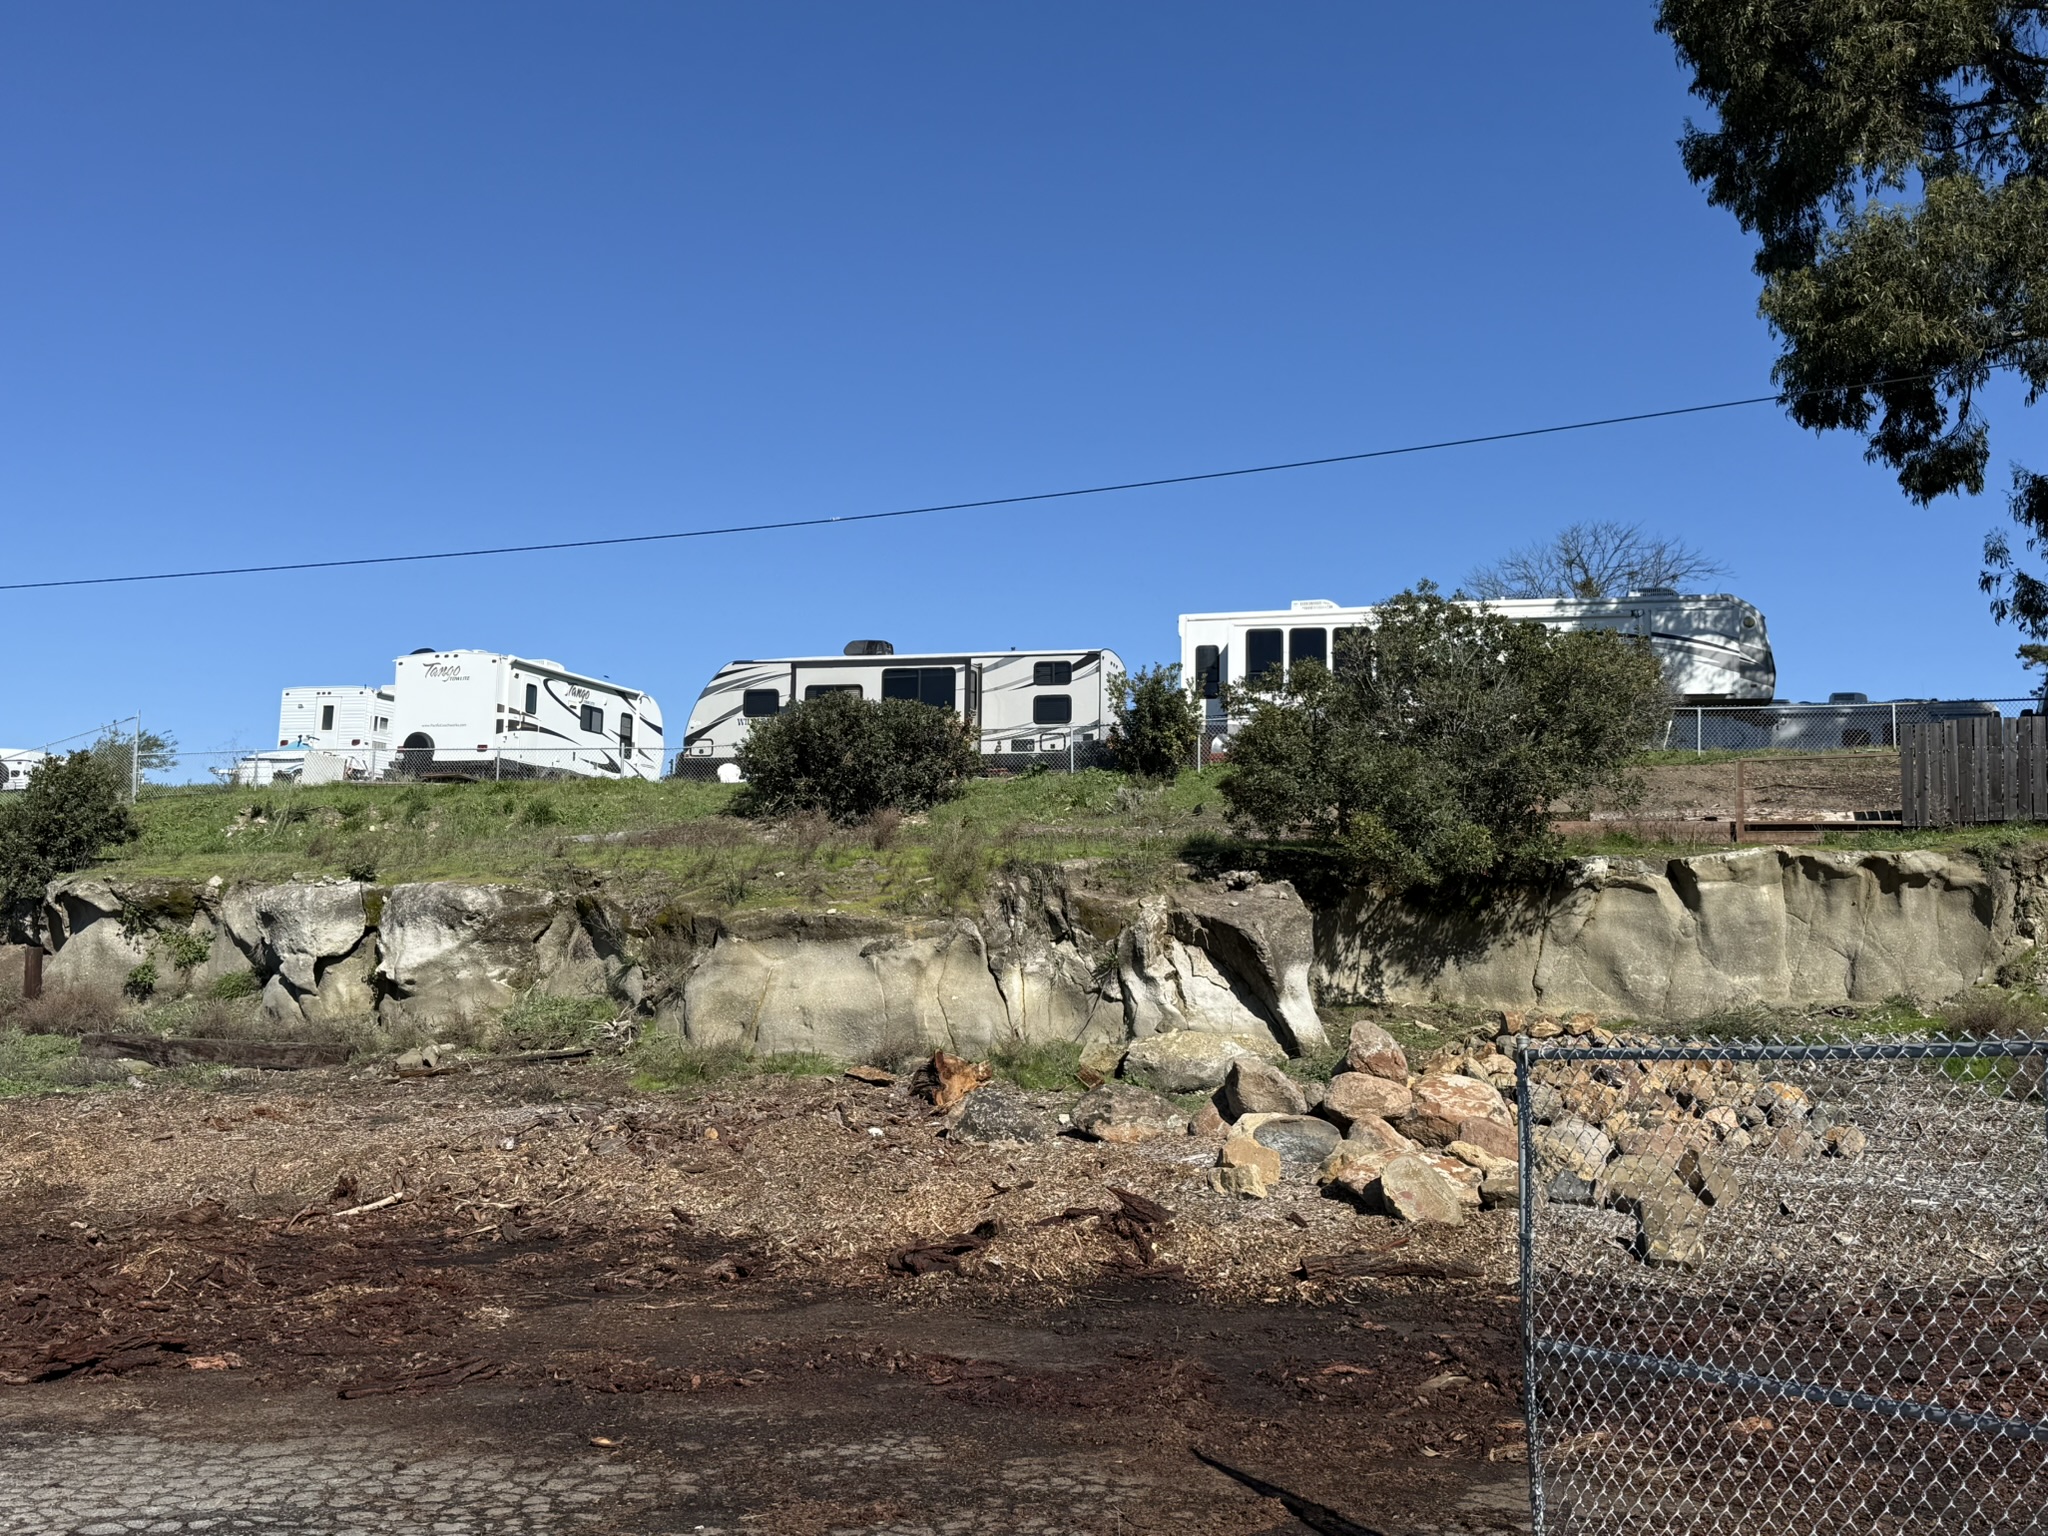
<point x="16" y="764"/>
<point x="1015" y="702"/>
<point x="477" y="714"/>
<point x="1714" y="649"/>
<point x="323" y="734"/>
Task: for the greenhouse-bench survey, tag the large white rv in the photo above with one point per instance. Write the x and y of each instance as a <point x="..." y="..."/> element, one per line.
<point x="1015" y="702"/>
<point x="16" y="764"/>
<point x="477" y="714"/>
<point x="340" y="732"/>
<point x="1714" y="649"/>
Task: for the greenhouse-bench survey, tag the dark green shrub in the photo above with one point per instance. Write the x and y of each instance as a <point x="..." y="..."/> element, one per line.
<point x="141" y="980"/>
<point x="1436" y="749"/>
<point x="848" y="757"/>
<point x="72" y="809"/>
<point x="1157" y="722"/>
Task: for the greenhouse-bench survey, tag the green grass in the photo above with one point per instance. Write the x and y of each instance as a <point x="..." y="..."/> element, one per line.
<point x="540" y="1023"/>
<point x="1049" y="1067"/>
<point x="671" y="837"/>
<point x="665" y="1064"/>
<point x="38" y="1064"/>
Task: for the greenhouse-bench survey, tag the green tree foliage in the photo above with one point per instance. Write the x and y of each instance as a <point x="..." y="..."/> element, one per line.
<point x="848" y="757"/>
<point x="72" y="809"/>
<point x="118" y="744"/>
<point x="1157" y="722"/>
<point x="1435" y="749"/>
<point x="1890" y="157"/>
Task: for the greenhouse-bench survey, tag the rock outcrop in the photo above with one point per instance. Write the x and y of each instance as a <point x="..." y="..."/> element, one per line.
<point x="1679" y="938"/>
<point x="854" y="989"/>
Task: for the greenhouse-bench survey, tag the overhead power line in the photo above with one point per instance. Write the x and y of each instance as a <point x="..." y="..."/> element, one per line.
<point x="876" y="517"/>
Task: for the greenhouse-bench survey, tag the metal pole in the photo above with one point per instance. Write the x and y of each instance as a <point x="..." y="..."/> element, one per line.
<point x="1895" y="727"/>
<point x="135" y="763"/>
<point x="1741" y="795"/>
<point x="32" y="971"/>
<point x="1070" y="751"/>
<point x="1525" y="1169"/>
<point x="1699" y="731"/>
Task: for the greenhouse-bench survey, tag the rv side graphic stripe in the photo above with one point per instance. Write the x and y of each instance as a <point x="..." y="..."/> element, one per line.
<point x="951" y="506"/>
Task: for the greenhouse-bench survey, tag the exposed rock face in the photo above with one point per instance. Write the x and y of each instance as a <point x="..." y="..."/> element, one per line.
<point x="289" y="930"/>
<point x="1050" y="949"/>
<point x="850" y="988"/>
<point x="1225" y="962"/>
<point x="1680" y="938"/>
<point x="458" y="951"/>
<point x="1263" y="939"/>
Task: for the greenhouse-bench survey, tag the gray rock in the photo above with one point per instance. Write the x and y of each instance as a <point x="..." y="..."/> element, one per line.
<point x="1263" y="938"/>
<point x="1170" y="986"/>
<point x="999" y="1112"/>
<point x="1502" y="1187"/>
<point x="347" y="989"/>
<point x="1569" y="1143"/>
<point x="852" y="989"/>
<point x="1633" y="1184"/>
<point x="1671" y="1235"/>
<point x="1413" y="1189"/>
<point x="290" y="930"/>
<point x="97" y="957"/>
<point x="1301" y="1141"/>
<point x="1119" y="1112"/>
<point x="452" y="953"/>
<point x="1254" y="1087"/>
<point x="1570" y="1187"/>
<point x="1184" y="1060"/>
<point x="1677" y="939"/>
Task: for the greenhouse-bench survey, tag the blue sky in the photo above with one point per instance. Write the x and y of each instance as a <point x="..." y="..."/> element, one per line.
<point x="291" y="282"/>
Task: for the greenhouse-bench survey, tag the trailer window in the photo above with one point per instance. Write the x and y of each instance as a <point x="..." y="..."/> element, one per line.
<point x="922" y="685"/>
<point x="1351" y="648"/>
<point x="1208" y="672"/>
<point x="760" y="703"/>
<point x="593" y="719"/>
<point x="1052" y="674"/>
<point x="533" y="698"/>
<point x="1052" y="709"/>
<point x="626" y="730"/>
<point x="1308" y="645"/>
<point x="1262" y="653"/>
<point x="326" y="717"/>
<point x="819" y="690"/>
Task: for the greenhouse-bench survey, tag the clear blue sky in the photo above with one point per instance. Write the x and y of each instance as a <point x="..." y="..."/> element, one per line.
<point x="287" y="282"/>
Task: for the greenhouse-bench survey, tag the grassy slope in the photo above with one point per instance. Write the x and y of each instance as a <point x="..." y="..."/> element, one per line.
<point x="675" y="839"/>
<point x="667" y="835"/>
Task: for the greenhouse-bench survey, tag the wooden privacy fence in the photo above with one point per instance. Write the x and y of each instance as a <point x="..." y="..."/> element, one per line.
<point x="1979" y="769"/>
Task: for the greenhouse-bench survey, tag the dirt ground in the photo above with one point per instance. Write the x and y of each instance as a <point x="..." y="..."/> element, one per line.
<point x="596" y="1309"/>
<point x="1825" y="786"/>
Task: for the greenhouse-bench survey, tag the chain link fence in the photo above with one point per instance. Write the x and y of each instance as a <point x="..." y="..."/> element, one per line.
<point x="1831" y="727"/>
<point x="1785" y="1287"/>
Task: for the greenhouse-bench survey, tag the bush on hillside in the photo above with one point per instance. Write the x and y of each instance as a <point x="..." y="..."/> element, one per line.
<point x="72" y="809"/>
<point x="848" y="757"/>
<point x="1158" y="721"/>
<point x="1435" y="749"/>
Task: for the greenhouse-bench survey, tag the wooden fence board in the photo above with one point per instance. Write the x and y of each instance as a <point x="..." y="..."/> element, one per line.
<point x="1974" y="771"/>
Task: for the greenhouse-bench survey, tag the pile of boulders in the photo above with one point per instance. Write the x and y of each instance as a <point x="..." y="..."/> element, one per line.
<point x="1663" y="1141"/>
<point x="1422" y="1147"/>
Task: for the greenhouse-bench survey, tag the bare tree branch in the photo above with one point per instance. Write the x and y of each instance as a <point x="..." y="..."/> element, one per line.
<point x="1596" y="559"/>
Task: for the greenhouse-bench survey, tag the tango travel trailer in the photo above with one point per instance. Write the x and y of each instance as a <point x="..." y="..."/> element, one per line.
<point x="1015" y="702"/>
<point x="1714" y="648"/>
<point x="16" y="764"/>
<point x="476" y="714"/>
